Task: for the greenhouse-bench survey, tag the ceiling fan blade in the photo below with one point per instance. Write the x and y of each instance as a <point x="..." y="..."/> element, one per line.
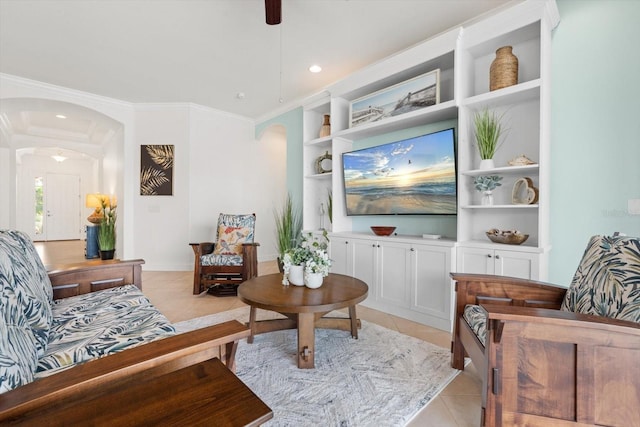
<point x="273" y="10"/>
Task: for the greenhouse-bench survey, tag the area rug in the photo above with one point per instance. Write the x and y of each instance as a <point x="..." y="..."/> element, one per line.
<point x="381" y="379"/>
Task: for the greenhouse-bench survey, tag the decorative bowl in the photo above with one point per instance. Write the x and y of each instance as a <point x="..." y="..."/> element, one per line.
<point x="382" y="230"/>
<point x="509" y="237"/>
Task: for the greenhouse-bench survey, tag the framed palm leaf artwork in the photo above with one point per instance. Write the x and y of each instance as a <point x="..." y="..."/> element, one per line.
<point x="156" y="170"/>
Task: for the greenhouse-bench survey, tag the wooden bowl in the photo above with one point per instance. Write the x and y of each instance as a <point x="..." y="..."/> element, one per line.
<point x="382" y="230"/>
<point x="508" y="237"/>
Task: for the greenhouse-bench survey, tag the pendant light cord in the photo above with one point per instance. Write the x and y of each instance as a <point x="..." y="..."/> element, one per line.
<point x="280" y="89"/>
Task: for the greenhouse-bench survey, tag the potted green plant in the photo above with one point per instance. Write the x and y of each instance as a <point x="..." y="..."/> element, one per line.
<point x="288" y="228"/>
<point x="107" y="229"/>
<point x="486" y="184"/>
<point x="488" y="131"/>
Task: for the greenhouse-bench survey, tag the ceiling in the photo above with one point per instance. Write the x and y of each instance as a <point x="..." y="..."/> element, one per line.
<point x="207" y="51"/>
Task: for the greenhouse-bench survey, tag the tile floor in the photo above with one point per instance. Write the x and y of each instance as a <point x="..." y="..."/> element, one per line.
<point x="458" y="405"/>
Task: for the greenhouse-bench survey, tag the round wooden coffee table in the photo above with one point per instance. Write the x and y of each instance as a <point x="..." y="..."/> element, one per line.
<point x="303" y="307"/>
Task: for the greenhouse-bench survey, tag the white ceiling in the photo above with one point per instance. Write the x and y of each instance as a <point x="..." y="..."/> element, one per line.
<point x="207" y="51"/>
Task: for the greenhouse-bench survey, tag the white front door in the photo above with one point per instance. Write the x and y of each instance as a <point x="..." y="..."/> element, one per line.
<point x="62" y="207"/>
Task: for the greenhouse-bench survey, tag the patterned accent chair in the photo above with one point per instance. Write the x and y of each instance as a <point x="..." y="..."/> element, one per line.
<point x="548" y="355"/>
<point x="220" y="267"/>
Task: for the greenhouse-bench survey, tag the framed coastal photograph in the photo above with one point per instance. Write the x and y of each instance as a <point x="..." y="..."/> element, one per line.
<point x="156" y="170"/>
<point x="419" y="92"/>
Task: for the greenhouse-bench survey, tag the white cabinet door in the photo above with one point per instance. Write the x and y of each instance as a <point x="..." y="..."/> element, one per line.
<point x="365" y="263"/>
<point x="517" y="264"/>
<point x="341" y="256"/>
<point x="431" y="287"/>
<point x="525" y="265"/>
<point x="475" y="260"/>
<point x="394" y="271"/>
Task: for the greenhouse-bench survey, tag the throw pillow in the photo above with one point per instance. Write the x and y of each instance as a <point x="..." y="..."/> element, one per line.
<point x="230" y="240"/>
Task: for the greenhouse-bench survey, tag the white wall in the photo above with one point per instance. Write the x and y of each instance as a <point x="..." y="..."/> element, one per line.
<point x="231" y="172"/>
<point x="161" y="223"/>
<point x="219" y="167"/>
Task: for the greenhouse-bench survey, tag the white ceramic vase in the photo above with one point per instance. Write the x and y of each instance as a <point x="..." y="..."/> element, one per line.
<point x="487" y="164"/>
<point x="296" y="275"/>
<point x="487" y="198"/>
<point x="314" y="280"/>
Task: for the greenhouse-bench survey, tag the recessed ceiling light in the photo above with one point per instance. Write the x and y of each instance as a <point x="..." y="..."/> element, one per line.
<point x="315" y="68"/>
<point x="60" y="116"/>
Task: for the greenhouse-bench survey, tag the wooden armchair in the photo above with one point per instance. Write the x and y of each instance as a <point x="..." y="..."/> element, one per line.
<point x="550" y="356"/>
<point x="220" y="267"/>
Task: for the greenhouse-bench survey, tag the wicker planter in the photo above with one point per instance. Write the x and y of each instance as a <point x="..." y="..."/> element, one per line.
<point x="504" y="69"/>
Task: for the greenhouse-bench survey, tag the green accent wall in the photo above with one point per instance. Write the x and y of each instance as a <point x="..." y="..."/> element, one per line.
<point x="292" y="121"/>
<point x="595" y="127"/>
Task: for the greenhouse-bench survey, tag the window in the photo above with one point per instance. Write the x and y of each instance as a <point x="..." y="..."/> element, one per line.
<point x="39" y="204"/>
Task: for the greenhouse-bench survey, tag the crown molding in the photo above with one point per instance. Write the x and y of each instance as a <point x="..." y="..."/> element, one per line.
<point x="76" y="94"/>
<point x="63" y="91"/>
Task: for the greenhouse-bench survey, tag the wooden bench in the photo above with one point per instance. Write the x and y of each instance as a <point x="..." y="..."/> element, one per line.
<point x="147" y="367"/>
<point x="181" y="378"/>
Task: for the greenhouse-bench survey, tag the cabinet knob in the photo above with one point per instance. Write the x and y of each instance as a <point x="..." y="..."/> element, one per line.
<point x="412" y="249"/>
<point x="497" y="256"/>
<point x="488" y="255"/>
<point x="373" y="245"/>
<point x="346" y="242"/>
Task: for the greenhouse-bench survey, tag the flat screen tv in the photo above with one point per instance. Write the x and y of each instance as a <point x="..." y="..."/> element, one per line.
<point x="415" y="176"/>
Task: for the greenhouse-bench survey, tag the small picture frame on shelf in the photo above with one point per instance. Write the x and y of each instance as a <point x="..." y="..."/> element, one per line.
<point x="413" y="94"/>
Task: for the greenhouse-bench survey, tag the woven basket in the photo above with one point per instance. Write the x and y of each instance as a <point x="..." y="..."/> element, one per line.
<point x="507" y="237"/>
<point x="504" y="69"/>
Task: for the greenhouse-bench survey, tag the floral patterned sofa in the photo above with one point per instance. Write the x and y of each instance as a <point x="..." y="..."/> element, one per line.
<point x="550" y="355"/>
<point x="85" y="328"/>
<point x="40" y="336"/>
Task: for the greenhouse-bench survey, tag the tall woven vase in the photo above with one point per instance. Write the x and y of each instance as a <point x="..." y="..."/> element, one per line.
<point x="504" y="69"/>
<point x="325" y="129"/>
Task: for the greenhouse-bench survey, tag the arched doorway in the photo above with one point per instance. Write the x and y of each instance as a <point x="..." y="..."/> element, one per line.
<point x="55" y="153"/>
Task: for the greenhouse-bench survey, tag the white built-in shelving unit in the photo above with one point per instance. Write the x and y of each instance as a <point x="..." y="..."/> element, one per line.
<point x="464" y="56"/>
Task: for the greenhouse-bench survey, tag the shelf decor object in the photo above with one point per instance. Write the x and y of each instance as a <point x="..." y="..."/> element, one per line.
<point x="504" y="69"/>
<point x="486" y="184"/>
<point x="524" y="192"/>
<point x="325" y="129"/>
<point x="413" y="94"/>
<point x="382" y="230"/>
<point x="521" y="160"/>
<point x="323" y="163"/>
<point x="508" y="237"/>
<point x="488" y="131"/>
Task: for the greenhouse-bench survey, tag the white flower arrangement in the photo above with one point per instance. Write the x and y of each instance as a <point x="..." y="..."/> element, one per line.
<point x="318" y="262"/>
<point x="312" y="253"/>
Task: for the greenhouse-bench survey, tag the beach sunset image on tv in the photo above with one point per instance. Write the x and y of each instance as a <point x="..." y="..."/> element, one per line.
<point x="410" y="177"/>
